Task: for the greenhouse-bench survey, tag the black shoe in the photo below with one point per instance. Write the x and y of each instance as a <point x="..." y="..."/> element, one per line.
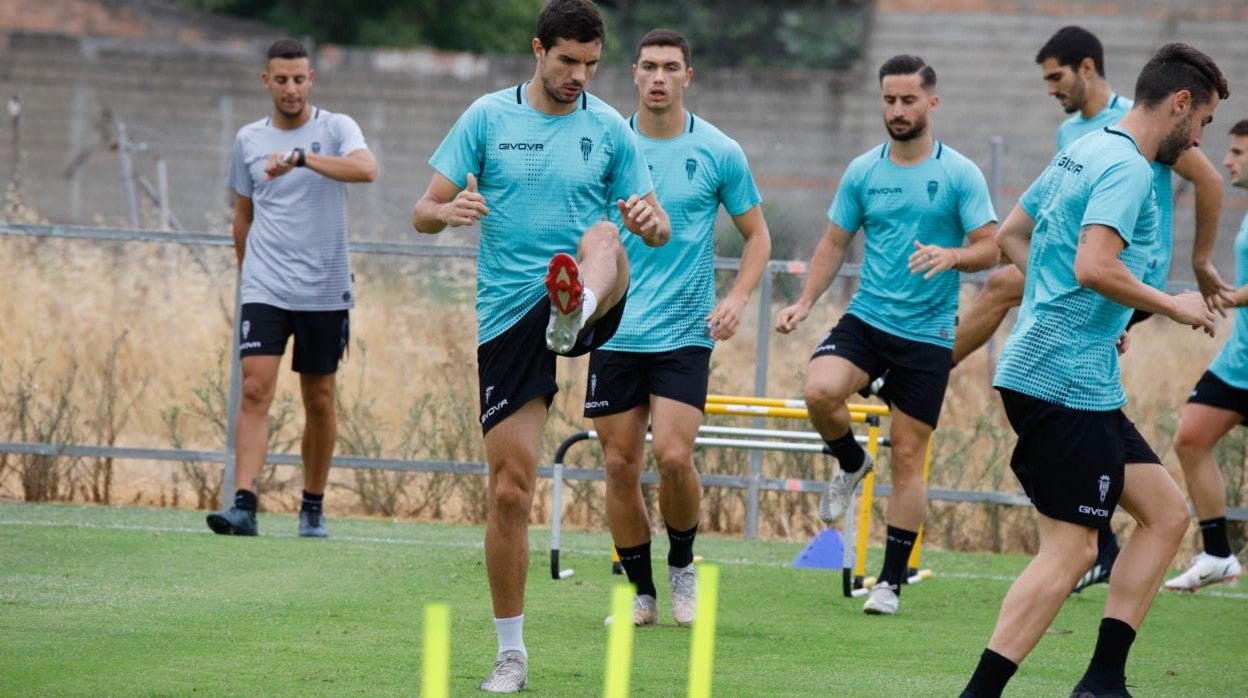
<point x="1081" y="692"/>
<point x="312" y="524"/>
<point x="235" y="522"/>
<point x="1099" y="574"/>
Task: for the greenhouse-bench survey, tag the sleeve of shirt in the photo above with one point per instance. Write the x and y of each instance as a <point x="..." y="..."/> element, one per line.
<point x="463" y="149"/>
<point x="846" y="210"/>
<point x="974" y="203"/>
<point x="1031" y="201"/>
<point x="348" y="135"/>
<point x="1117" y="197"/>
<point x="630" y="172"/>
<point x="239" y="177"/>
<point x="737" y="189"/>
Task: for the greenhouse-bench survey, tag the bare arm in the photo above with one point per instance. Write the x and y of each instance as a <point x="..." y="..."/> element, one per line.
<point x="444" y="203"/>
<point x="1098" y="268"/>
<point x="645" y="218"/>
<point x="359" y="166"/>
<point x="723" y="321"/>
<point x="1014" y="237"/>
<point x="243" y="215"/>
<point x="1196" y="168"/>
<point x="824" y="266"/>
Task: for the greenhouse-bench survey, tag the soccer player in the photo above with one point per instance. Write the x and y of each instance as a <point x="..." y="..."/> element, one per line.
<point x="1072" y="63"/>
<point x="916" y="200"/>
<point x="1218" y="403"/>
<point x="289" y="172"/>
<point x="655" y="368"/>
<point x="538" y="165"/>
<point x="1082" y="235"/>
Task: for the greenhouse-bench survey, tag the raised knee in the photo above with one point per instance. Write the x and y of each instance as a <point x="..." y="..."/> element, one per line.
<point x="1004" y="284"/>
<point x="1188" y="447"/>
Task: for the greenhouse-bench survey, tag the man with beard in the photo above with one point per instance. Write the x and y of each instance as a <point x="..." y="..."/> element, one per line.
<point x="1093" y="217"/>
<point x="538" y="165"/>
<point x="289" y="173"/>
<point x="916" y="200"/>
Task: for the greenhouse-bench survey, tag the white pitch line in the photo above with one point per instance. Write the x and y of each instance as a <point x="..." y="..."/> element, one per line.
<point x="417" y="542"/>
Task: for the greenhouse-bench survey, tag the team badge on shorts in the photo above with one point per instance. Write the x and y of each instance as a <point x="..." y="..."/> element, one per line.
<point x="1104" y="487"/>
<point x="246" y="328"/>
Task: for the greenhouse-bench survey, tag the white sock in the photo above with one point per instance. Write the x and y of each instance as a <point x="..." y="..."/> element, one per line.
<point x="589" y="303"/>
<point x="510" y="634"/>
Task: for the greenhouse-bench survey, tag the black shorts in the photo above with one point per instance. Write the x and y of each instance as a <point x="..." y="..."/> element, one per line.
<point x="321" y="336"/>
<point x="1215" y="392"/>
<point x="516" y="367"/>
<point x="1072" y="462"/>
<point x="622" y="380"/>
<point x="918" y="372"/>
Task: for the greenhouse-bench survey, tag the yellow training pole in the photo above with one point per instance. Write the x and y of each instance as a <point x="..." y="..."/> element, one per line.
<point x="881" y="410"/>
<point x="702" y="649"/>
<point x="436" y="663"/>
<point x="864" y="515"/>
<point x="620" y="642"/>
<point x="778" y="412"/>
<point x="918" y="540"/>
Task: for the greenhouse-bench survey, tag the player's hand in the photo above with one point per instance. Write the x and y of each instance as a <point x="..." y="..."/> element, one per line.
<point x="930" y="260"/>
<point x="639" y="217"/>
<point x="278" y="164"/>
<point x="1124" y="343"/>
<point x="1217" y="293"/>
<point x="467" y="207"/>
<point x="788" y="318"/>
<point x="724" y="320"/>
<point x="1190" y="309"/>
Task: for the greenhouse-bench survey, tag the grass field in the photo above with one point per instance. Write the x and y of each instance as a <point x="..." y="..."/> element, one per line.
<point x="125" y="601"/>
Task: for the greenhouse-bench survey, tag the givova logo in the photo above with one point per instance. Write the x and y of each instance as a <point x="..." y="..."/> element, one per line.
<point x="521" y="146"/>
<point x="881" y="191"/>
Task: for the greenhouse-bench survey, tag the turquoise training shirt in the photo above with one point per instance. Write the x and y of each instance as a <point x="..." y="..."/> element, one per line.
<point x="546" y="179"/>
<point x="1063" y="347"/>
<point x="1231" y="364"/>
<point x="673" y="287"/>
<point x="936" y="202"/>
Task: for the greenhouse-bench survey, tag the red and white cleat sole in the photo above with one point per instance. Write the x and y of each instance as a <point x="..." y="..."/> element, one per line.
<point x="565" y="290"/>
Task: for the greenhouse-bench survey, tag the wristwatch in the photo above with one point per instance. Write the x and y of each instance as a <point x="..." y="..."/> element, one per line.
<point x="300" y="159"/>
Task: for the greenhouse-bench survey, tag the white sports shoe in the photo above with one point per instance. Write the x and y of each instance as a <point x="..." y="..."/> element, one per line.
<point x="882" y="601"/>
<point x="566" y="293"/>
<point x="1205" y="570"/>
<point x="510" y="673"/>
<point x="836" y="498"/>
<point x="645" y="611"/>
<point x="684" y="585"/>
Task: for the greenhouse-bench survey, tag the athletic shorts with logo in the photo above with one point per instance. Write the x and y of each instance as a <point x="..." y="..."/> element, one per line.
<point x="622" y="380"/>
<point x="1215" y="392"/>
<point x="1071" y="463"/>
<point x="918" y="372"/>
<point x="516" y="367"/>
<point x="321" y="336"/>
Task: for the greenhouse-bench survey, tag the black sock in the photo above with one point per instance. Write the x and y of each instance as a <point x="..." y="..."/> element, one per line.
<point x="1217" y="543"/>
<point x="1106" y="544"/>
<point x="312" y="502"/>
<point x="847" y="451"/>
<point x="246" y="499"/>
<point x="680" y="554"/>
<point x="1108" y="668"/>
<point x="897" y="555"/>
<point x="636" y="562"/>
<point x="990" y="677"/>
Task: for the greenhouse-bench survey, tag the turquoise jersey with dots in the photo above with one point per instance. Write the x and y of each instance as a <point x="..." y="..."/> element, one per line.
<point x="936" y="202"/>
<point x="546" y="179"/>
<point x="1231" y="364"/>
<point x="1063" y="347"/>
<point x="1076" y="127"/>
<point x="673" y="287"/>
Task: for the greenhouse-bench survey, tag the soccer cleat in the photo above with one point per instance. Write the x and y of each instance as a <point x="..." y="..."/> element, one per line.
<point x="564" y="287"/>
<point x="875" y="387"/>
<point x="1083" y="692"/>
<point x="1099" y="574"/>
<point x="684" y="586"/>
<point x="645" y="611"/>
<point x="234" y="522"/>
<point x="882" y="601"/>
<point x="1205" y="570"/>
<point x="510" y="673"/>
<point x="312" y="524"/>
<point x="835" y="499"/>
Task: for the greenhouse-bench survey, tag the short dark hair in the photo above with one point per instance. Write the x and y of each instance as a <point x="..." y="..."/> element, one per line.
<point x="286" y="48"/>
<point x="1179" y="67"/>
<point x="1240" y="128"/>
<point x="909" y="65"/>
<point x="1070" y="45"/>
<point x="575" y="20"/>
<point x="664" y="37"/>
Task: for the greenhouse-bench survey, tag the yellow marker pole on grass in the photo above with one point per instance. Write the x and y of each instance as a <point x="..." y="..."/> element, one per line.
<point x="436" y="666"/>
<point x="620" y="642"/>
<point x="702" y="649"/>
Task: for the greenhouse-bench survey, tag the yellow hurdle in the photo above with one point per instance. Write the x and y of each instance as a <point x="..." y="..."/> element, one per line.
<point x="855" y="414"/>
<point x="881" y="410"/>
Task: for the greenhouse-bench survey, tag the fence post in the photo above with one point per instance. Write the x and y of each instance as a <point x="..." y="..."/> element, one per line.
<point x="761" y="353"/>
<point x="996" y="179"/>
<point x="127" y="173"/>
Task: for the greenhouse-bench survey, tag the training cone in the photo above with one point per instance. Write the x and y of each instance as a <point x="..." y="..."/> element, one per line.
<point x="826" y="551"/>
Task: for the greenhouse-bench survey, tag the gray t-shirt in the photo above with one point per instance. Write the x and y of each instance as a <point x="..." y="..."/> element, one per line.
<point x="297" y="248"/>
